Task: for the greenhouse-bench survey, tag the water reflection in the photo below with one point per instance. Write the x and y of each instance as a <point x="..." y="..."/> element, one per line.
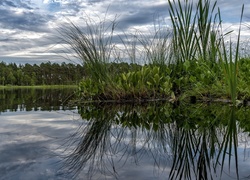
<point x="34" y="99"/>
<point x="178" y="142"/>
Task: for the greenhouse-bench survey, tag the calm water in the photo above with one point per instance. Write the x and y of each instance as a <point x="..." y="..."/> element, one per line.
<point x="43" y="138"/>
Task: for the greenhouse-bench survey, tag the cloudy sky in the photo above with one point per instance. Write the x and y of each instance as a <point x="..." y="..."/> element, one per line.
<point x="28" y="28"/>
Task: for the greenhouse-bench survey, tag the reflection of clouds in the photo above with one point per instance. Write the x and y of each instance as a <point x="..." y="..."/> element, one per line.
<point x="28" y="142"/>
<point x="104" y="146"/>
<point x="243" y="166"/>
<point x="113" y="152"/>
<point x="244" y="153"/>
<point x="32" y="145"/>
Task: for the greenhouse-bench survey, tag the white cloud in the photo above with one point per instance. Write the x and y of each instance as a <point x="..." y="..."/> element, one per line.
<point x="28" y="23"/>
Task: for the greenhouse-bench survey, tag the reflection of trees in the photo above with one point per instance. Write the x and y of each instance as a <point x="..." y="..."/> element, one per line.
<point x="195" y="140"/>
<point x="28" y="99"/>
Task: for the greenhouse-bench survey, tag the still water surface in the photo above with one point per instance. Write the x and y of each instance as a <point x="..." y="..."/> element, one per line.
<point x="43" y="138"/>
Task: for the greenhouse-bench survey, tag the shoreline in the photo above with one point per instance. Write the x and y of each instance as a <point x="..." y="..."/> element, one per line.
<point x="38" y="87"/>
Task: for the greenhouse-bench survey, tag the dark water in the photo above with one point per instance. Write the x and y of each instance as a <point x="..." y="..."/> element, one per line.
<point x="43" y="138"/>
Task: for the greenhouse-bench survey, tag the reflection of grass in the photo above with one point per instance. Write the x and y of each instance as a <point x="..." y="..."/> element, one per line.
<point x="93" y="142"/>
<point x="229" y="144"/>
<point x="201" y="149"/>
<point x="98" y="142"/>
<point x="195" y="139"/>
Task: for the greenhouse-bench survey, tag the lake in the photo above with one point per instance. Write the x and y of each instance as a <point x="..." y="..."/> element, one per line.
<point x="42" y="137"/>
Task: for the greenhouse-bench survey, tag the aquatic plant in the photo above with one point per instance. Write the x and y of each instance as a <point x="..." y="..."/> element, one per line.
<point x="197" y="36"/>
<point x="188" y="62"/>
<point x="229" y="63"/>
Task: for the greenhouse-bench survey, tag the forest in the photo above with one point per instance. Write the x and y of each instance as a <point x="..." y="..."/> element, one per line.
<point x="43" y="74"/>
<point x="52" y="73"/>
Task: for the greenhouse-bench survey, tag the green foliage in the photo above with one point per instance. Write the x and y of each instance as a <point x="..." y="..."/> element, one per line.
<point x="196" y="39"/>
<point x="149" y="81"/>
<point x="192" y="61"/>
<point x="142" y="84"/>
<point x="229" y="62"/>
<point x="243" y="80"/>
<point x="87" y="88"/>
<point x="203" y="42"/>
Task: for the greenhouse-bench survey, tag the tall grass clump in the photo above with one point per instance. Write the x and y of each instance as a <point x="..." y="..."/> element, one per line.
<point x="93" y="45"/>
<point x="184" y="44"/>
<point x="156" y="46"/>
<point x="195" y="37"/>
<point x="198" y="36"/>
<point x="188" y="59"/>
<point x="130" y="51"/>
<point x="196" y="30"/>
<point x="229" y="57"/>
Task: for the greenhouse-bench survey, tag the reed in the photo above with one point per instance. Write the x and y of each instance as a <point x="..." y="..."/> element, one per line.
<point x="198" y="36"/>
<point x="195" y="39"/>
<point x="195" y="30"/>
<point x="229" y="144"/>
<point x="184" y="40"/>
<point x="229" y="60"/>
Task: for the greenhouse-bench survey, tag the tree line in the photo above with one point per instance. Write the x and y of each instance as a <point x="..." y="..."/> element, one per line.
<point x="52" y="73"/>
<point x="43" y="74"/>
